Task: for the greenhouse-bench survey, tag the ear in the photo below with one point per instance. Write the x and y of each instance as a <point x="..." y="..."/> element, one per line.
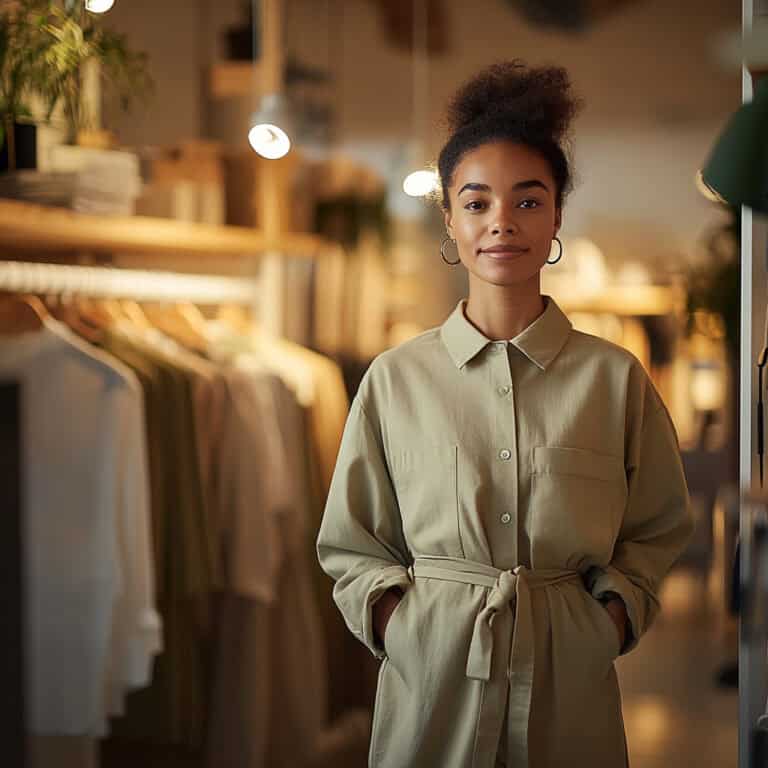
<point x="558" y="220"/>
<point x="448" y="219"/>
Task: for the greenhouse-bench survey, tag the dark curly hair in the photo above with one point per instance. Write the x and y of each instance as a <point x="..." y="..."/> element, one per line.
<point x="511" y="101"/>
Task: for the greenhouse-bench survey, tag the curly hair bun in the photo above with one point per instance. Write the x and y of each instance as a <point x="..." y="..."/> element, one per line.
<point x="535" y="98"/>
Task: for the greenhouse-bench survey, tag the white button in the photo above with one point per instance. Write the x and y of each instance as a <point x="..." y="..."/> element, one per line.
<point x="504" y="390"/>
<point x="505" y="454"/>
<point x="499" y="346"/>
<point x="506" y="517"/>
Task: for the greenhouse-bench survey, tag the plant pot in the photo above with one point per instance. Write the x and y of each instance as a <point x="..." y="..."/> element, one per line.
<point x="25" y="138"/>
<point x="240" y="44"/>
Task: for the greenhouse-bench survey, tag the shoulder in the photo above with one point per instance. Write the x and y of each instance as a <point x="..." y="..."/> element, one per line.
<point x="622" y="366"/>
<point x="400" y="368"/>
<point x="601" y="349"/>
<point x="602" y="353"/>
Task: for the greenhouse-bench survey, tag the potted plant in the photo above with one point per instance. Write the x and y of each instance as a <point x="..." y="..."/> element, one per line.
<point x="22" y="47"/>
<point x="45" y="48"/>
<point x="73" y="40"/>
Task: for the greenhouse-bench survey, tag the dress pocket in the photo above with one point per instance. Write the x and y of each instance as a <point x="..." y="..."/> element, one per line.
<point x="577" y="503"/>
<point x="393" y="639"/>
<point x="425" y="478"/>
<point x="606" y="628"/>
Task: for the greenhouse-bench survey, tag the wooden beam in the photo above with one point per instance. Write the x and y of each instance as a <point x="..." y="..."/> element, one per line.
<point x="25" y="227"/>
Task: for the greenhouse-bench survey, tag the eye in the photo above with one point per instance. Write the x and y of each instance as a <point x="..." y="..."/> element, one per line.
<point x="474" y="202"/>
<point x="534" y="203"/>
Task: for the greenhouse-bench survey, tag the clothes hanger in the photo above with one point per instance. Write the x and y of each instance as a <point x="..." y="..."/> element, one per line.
<point x="236" y="318"/>
<point x="94" y="314"/>
<point x="133" y="311"/>
<point x="192" y="314"/>
<point x="169" y="320"/>
<point x="21" y="314"/>
<point x="86" y="323"/>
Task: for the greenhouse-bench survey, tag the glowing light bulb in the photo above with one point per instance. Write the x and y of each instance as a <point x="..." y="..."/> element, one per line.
<point x="420" y="183"/>
<point x="269" y="140"/>
<point x="98" y="6"/>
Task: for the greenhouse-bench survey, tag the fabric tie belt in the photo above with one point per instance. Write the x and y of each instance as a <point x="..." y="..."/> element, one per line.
<point x="506" y="619"/>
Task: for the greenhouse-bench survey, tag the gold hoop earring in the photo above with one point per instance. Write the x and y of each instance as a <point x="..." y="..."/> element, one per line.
<point x="559" y="255"/>
<point x="442" y="252"/>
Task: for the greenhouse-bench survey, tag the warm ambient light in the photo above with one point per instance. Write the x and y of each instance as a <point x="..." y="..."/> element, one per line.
<point x="707" y="385"/>
<point x="420" y="183"/>
<point x="269" y="141"/>
<point x="271" y="126"/>
<point x="98" y="6"/>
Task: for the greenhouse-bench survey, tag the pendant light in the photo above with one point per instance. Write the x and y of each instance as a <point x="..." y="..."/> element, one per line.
<point x="737" y="168"/>
<point x="421" y="181"/>
<point x="736" y="171"/>
<point x="270" y="127"/>
<point x="98" y="6"/>
<point x="271" y="124"/>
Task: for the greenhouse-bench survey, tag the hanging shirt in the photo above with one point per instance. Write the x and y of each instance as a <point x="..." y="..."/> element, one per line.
<point x="504" y="486"/>
<point x="173" y="709"/>
<point x="91" y="625"/>
<point x="271" y="647"/>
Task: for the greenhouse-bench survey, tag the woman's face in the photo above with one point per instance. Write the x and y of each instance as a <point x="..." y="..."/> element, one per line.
<point x="503" y="214"/>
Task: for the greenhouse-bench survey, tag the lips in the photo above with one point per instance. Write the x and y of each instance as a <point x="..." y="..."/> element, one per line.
<point x="504" y="250"/>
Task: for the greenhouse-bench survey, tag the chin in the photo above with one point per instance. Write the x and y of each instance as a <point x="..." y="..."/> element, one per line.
<point x="507" y="274"/>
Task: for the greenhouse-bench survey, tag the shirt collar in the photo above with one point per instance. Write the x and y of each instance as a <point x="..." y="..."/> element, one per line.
<point x="540" y="342"/>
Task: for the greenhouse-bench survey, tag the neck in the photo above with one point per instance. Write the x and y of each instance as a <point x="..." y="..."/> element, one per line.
<point x="503" y="311"/>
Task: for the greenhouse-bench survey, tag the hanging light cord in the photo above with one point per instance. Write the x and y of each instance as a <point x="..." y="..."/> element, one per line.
<point x="420" y="90"/>
<point x="254" y="51"/>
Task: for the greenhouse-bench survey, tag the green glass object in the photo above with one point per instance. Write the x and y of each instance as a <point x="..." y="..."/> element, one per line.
<point x="737" y="168"/>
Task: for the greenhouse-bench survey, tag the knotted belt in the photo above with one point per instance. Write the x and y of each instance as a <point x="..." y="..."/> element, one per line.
<point x="506" y="618"/>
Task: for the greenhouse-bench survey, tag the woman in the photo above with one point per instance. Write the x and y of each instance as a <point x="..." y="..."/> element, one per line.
<point x="508" y="493"/>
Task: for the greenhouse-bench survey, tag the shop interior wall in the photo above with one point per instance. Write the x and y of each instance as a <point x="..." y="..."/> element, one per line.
<point x="655" y="99"/>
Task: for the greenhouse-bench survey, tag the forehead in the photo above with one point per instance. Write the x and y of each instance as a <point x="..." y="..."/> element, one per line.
<point x="500" y="164"/>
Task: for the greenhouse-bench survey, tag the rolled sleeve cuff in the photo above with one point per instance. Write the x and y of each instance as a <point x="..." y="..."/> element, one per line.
<point x="393" y="576"/>
<point x="599" y="581"/>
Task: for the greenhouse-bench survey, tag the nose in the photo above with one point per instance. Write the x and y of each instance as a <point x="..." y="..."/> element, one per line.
<point x="504" y="222"/>
<point x="507" y="228"/>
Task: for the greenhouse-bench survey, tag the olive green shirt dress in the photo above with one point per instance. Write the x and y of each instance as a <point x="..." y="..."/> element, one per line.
<point x="505" y="486"/>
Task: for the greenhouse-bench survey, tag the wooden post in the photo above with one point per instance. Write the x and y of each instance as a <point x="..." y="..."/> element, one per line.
<point x="273" y="179"/>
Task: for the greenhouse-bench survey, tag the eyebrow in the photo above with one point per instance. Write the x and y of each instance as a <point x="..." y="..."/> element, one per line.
<point x="529" y="184"/>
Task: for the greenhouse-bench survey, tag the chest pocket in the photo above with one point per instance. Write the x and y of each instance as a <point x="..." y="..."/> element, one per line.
<point x="577" y="504"/>
<point x="425" y="480"/>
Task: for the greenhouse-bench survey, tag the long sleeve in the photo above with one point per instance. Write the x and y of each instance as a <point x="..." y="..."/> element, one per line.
<point x="657" y="523"/>
<point x="360" y="544"/>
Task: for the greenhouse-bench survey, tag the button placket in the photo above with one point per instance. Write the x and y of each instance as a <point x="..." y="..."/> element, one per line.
<point x="505" y="449"/>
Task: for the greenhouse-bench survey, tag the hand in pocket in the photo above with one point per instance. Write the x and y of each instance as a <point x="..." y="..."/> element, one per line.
<point x="382" y="611"/>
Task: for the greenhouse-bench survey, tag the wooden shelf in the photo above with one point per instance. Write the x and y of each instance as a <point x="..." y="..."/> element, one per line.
<point x="625" y="300"/>
<point x="231" y="79"/>
<point x="24" y="226"/>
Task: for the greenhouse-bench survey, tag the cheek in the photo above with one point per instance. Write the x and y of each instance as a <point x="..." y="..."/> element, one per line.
<point x="469" y="229"/>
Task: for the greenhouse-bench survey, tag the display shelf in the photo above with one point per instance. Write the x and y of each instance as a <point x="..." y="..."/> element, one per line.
<point x="231" y="79"/>
<point x="28" y="227"/>
<point x="624" y="300"/>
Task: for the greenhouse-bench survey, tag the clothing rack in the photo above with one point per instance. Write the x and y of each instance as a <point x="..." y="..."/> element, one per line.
<point x="111" y="282"/>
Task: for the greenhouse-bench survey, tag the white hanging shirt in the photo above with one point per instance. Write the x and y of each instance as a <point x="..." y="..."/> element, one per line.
<point x="91" y="628"/>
